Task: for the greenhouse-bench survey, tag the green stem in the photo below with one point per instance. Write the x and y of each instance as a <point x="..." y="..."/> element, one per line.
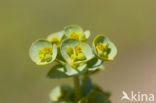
<point x="77" y="88"/>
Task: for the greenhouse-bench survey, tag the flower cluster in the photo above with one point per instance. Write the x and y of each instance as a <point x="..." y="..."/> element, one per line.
<point x="74" y="57"/>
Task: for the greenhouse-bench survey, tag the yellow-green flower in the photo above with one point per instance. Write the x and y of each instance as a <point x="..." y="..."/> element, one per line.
<point x="76" y="32"/>
<point x="76" y="53"/>
<point x="75" y="35"/>
<point x="102" y="49"/>
<point x="56" y="38"/>
<point x="45" y="54"/>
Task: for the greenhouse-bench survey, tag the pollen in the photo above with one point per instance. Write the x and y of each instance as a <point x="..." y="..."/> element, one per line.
<point x="100" y="46"/>
<point x="45" y="54"/>
<point x="55" y="39"/>
<point x="77" y="49"/>
<point x="75" y="35"/>
<point x="103" y="49"/>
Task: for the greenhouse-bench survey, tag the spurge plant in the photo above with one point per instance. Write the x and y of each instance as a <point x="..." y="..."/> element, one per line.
<point x="74" y="58"/>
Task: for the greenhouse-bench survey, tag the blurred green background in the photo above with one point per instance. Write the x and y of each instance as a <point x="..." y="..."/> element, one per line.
<point x="131" y="25"/>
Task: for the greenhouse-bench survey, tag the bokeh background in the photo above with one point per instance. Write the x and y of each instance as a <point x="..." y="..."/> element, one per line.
<point x="131" y="25"/>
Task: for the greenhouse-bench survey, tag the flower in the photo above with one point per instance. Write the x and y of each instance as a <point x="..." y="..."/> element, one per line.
<point x="76" y="53"/>
<point x="76" y="32"/>
<point x="45" y="54"/>
<point x="103" y="49"/>
<point x="75" y="35"/>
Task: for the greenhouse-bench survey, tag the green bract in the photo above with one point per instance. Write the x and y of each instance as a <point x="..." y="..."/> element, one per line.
<point x="42" y="52"/>
<point x="56" y="38"/>
<point x="75" y="52"/>
<point x="76" y="32"/>
<point x="60" y="71"/>
<point x="75" y="59"/>
<point x="104" y="48"/>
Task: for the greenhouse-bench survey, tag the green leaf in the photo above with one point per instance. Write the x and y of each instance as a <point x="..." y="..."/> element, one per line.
<point x="94" y="62"/>
<point x="42" y="52"/>
<point x="96" y="96"/>
<point x="104" y="49"/>
<point x="60" y="71"/>
<point x="67" y="53"/>
<point x="95" y="69"/>
<point x="79" y="70"/>
<point x="56" y="37"/>
<point x="86" y="85"/>
<point x="57" y="71"/>
<point x="59" y="58"/>
<point x="62" y="94"/>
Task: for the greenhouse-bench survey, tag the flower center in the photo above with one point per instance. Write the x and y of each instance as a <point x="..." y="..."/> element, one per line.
<point x="103" y="49"/>
<point x="75" y="35"/>
<point x="76" y="53"/>
<point x="45" y="54"/>
<point x="55" y="39"/>
<point x="77" y="49"/>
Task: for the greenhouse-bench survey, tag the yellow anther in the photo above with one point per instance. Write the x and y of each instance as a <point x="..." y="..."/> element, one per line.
<point x="75" y="35"/>
<point x="44" y="53"/>
<point x="55" y="39"/>
<point x="100" y="47"/>
<point x="77" y="49"/>
<point x="47" y="50"/>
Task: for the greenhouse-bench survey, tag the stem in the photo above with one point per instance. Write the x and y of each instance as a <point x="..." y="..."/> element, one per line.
<point x="77" y="88"/>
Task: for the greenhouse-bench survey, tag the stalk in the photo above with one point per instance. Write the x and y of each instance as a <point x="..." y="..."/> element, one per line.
<point x="77" y="88"/>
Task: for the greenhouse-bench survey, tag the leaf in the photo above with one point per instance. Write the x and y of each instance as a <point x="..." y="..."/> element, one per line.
<point x="95" y="69"/>
<point x="96" y="96"/>
<point x="94" y="62"/>
<point x="62" y="94"/>
<point x="60" y="71"/>
<point x="86" y="85"/>
<point x="59" y="58"/>
<point x="72" y="43"/>
<point x="112" y="48"/>
<point x="57" y="71"/>
<point x="79" y="70"/>
<point x="39" y="45"/>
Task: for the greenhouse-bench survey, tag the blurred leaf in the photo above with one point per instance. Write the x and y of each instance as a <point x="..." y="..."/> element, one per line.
<point x="96" y="96"/>
<point x="62" y="94"/>
<point x="79" y="70"/>
<point x="60" y="71"/>
<point x="60" y="58"/>
<point x="57" y="71"/>
<point x="39" y="45"/>
<point x="104" y="40"/>
<point x="95" y="69"/>
<point x="94" y="62"/>
<point x="86" y="85"/>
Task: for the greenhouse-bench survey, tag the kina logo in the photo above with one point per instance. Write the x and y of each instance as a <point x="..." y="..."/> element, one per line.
<point x="137" y="97"/>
